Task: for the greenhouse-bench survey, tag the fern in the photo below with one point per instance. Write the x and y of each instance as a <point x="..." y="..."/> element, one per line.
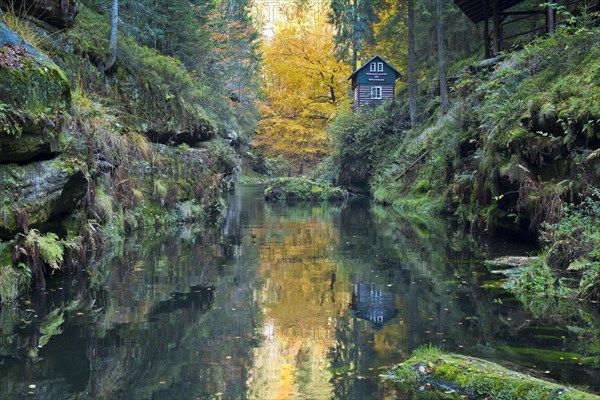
<point x="50" y="248"/>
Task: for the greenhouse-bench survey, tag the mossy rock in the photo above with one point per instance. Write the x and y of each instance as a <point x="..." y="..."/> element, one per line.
<point x="34" y="94"/>
<point x="27" y="147"/>
<point x="162" y="99"/>
<point x="474" y="378"/>
<point x="58" y="13"/>
<point x="29" y="80"/>
<point x="34" y="193"/>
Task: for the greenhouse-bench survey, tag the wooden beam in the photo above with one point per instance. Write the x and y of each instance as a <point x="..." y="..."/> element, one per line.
<point x="497" y="28"/>
<point x="486" y="29"/>
<point x="531" y="12"/>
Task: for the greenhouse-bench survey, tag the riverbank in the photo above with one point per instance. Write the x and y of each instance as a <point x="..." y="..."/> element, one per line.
<point x="516" y="155"/>
<point x="88" y="155"/>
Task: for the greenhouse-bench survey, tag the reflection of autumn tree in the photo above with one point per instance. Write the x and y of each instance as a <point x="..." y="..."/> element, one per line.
<point x="303" y="84"/>
<point x="302" y="297"/>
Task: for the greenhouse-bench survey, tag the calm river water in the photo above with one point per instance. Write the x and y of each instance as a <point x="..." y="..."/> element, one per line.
<point x="276" y="302"/>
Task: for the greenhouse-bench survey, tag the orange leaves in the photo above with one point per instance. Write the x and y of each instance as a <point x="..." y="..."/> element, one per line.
<point x="12" y="56"/>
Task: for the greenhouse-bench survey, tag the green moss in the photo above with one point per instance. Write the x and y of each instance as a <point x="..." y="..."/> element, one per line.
<point x="478" y="379"/>
<point x="32" y="83"/>
<point x="37" y="191"/>
<point x="144" y="83"/>
<point x="302" y="189"/>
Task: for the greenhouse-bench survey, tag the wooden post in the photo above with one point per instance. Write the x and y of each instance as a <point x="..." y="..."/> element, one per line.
<point x="496" y="29"/>
<point x="550" y="24"/>
<point x="486" y="30"/>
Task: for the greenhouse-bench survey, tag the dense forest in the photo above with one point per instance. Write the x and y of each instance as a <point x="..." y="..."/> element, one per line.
<point x="122" y="116"/>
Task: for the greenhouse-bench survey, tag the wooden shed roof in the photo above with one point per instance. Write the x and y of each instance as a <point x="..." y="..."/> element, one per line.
<point x="398" y="74"/>
<point x="476" y="9"/>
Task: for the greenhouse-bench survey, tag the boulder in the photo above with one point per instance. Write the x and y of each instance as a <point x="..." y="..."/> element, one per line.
<point x="33" y="194"/>
<point x="25" y="147"/>
<point x="34" y="93"/>
<point x="29" y="80"/>
<point x="58" y="13"/>
<point x="458" y="376"/>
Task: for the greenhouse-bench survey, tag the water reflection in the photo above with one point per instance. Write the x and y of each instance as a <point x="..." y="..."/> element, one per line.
<point x="279" y="302"/>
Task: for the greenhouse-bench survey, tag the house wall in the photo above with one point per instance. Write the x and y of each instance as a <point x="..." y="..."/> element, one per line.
<point x="362" y="95"/>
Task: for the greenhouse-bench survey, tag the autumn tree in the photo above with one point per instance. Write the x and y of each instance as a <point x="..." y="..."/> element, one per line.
<point x="303" y="83"/>
<point x="234" y="46"/>
<point x="390" y="34"/>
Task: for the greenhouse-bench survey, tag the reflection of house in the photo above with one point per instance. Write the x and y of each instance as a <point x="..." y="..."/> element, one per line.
<point x="373" y="83"/>
<point x="374" y="304"/>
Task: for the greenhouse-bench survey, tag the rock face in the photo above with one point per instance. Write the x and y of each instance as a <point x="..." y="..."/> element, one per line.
<point x="37" y="183"/>
<point x="30" y="80"/>
<point x="32" y="194"/>
<point x="200" y="131"/>
<point x="34" y="93"/>
<point x="58" y="13"/>
<point x="27" y="146"/>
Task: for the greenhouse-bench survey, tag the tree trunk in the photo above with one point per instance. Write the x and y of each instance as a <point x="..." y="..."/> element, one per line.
<point x="112" y="42"/>
<point x="466" y="44"/>
<point x="442" y="57"/>
<point x="354" y="34"/>
<point x="412" y="73"/>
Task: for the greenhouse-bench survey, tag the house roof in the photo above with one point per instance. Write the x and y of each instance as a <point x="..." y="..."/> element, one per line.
<point x="398" y="74"/>
<point x="477" y="10"/>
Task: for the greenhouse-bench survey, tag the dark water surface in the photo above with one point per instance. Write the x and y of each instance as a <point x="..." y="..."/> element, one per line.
<point x="277" y="302"/>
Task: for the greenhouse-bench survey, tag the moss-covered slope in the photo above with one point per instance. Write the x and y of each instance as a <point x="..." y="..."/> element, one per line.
<point x="84" y="152"/>
<point x="522" y="139"/>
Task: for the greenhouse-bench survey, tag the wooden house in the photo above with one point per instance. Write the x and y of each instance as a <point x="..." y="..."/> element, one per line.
<point x="373" y="83"/>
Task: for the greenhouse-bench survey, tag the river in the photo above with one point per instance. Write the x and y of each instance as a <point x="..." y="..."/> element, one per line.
<point x="276" y="302"/>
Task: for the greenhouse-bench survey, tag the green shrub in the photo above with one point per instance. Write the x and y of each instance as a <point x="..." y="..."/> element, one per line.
<point x="569" y="265"/>
<point x="302" y="189"/>
<point x="360" y="140"/>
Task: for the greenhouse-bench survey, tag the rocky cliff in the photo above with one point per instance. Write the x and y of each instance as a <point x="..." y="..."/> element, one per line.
<point x="83" y="152"/>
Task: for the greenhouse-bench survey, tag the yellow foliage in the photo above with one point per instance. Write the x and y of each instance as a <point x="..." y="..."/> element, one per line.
<point x="390" y="33"/>
<point x="303" y="83"/>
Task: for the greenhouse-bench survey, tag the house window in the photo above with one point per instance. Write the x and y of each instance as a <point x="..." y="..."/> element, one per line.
<point x="379" y="67"/>
<point x="373" y="67"/>
<point x="376" y="92"/>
